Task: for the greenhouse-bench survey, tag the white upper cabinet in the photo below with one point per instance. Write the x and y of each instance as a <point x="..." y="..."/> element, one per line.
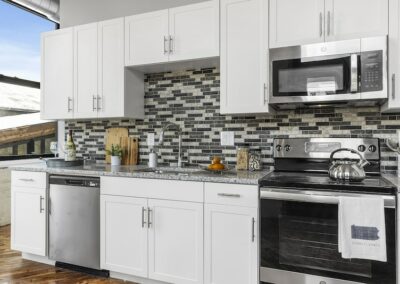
<point x="348" y="19"/>
<point x="194" y="31"/>
<point x="57" y="69"/>
<point x="176" y="241"/>
<point x="178" y="34"/>
<point x="393" y="102"/>
<point x="146" y="38"/>
<point x="111" y="75"/>
<point x="311" y="21"/>
<point x="85" y="64"/>
<point x="244" y="56"/>
<point x="296" y="22"/>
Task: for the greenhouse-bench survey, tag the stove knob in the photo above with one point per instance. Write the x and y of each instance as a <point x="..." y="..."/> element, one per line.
<point x="287" y="148"/>
<point x="362" y="148"/>
<point x="278" y="148"/>
<point x="372" y="148"/>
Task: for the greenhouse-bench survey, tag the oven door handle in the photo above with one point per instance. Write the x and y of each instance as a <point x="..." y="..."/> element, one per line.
<point x="312" y="196"/>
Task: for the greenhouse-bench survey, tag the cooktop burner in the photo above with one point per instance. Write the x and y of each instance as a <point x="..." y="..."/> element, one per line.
<point x="321" y="181"/>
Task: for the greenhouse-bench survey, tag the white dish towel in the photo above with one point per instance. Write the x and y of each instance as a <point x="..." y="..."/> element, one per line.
<point x="361" y="225"/>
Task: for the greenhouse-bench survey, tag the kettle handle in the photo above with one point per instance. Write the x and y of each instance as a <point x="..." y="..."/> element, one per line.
<point x="343" y="150"/>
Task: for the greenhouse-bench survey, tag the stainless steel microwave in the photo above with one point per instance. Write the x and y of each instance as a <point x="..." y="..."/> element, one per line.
<point x="350" y="72"/>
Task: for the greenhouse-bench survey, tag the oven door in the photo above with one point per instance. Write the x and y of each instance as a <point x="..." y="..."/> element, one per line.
<point x="299" y="241"/>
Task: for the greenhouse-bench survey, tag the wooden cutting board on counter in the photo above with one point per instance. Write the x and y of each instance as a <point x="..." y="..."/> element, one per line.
<point x="130" y="148"/>
<point x="113" y="136"/>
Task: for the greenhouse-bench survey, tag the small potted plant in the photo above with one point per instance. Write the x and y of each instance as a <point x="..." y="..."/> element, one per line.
<point x="116" y="155"/>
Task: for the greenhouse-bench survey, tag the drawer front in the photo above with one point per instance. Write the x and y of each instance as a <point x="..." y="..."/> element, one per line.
<point x="231" y="194"/>
<point x="29" y="179"/>
<point x="153" y="188"/>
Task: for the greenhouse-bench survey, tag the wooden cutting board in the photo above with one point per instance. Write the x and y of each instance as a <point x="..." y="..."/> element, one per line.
<point x="130" y="147"/>
<point x="113" y="136"/>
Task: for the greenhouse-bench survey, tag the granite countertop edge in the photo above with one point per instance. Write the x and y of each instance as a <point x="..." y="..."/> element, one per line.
<point x="241" y="177"/>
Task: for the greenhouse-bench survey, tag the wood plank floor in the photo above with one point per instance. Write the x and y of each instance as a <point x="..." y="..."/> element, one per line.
<point x="15" y="270"/>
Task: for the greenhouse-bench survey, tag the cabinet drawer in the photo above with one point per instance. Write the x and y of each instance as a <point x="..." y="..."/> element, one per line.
<point x="153" y="188"/>
<point x="29" y="179"/>
<point x="231" y="194"/>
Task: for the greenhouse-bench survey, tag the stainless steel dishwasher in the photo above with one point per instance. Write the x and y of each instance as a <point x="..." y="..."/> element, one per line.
<point x="74" y="221"/>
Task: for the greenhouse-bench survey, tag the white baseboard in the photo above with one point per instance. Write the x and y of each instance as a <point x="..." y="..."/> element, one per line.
<point x="37" y="258"/>
<point x="134" y="279"/>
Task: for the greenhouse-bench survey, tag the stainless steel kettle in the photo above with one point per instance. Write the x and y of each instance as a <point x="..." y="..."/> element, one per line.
<point x="345" y="169"/>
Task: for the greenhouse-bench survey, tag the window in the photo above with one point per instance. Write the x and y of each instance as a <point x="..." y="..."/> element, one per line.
<point x="20" y="41"/>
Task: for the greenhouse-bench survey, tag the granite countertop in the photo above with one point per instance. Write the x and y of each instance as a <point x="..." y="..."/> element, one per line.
<point x="186" y="174"/>
<point x="393" y="179"/>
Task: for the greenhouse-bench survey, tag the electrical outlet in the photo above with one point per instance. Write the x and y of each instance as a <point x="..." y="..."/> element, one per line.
<point x="150" y="139"/>
<point x="227" y="138"/>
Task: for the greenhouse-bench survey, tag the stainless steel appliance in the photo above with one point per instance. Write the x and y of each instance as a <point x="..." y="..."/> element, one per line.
<point x="74" y="220"/>
<point x="299" y="214"/>
<point x="351" y="72"/>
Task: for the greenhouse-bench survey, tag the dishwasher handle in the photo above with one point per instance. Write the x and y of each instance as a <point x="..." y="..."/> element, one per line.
<point x="75" y="181"/>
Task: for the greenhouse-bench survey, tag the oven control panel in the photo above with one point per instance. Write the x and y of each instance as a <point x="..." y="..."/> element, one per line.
<point x="372" y="71"/>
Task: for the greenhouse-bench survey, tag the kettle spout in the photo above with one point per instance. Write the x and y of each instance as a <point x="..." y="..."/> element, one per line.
<point x="363" y="163"/>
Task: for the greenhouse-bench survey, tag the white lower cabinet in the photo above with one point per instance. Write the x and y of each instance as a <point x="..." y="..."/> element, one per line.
<point x="123" y="234"/>
<point x="176" y="241"/>
<point x="230" y="244"/>
<point x="28" y="215"/>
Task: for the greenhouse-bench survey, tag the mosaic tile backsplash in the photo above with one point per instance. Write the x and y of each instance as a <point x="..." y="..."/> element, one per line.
<point x="191" y="100"/>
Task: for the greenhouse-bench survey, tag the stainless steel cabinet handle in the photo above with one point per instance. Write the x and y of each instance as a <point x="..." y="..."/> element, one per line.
<point x="69" y="104"/>
<point x="253" y="225"/>
<point x="393" y="86"/>
<point x="329" y="23"/>
<point x="149" y="221"/>
<point x="99" y="103"/>
<point x="229" y="195"/>
<point x="320" y="25"/>
<point x="143" y="217"/>
<point x="94" y="102"/>
<point x="165" y="45"/>
<point x="265" y="94"/>
<point x="41" y="204"/>
<point x="171" y="44"/>
<point x="27" y="179"/>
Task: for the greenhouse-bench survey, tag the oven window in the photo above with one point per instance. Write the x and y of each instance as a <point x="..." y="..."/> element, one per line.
<point x="303" y="237"/>
<point x="315" y="78"/>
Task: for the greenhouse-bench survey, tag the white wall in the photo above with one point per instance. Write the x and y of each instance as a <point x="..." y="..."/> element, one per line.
<point x="77" y="12"/>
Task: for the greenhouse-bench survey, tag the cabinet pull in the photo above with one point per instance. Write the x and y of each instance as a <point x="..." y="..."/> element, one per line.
<point x="41" y="204"/>
<point x="229" y="195"/>
<point x="165" y="45"/>
<point x="329" y="23"/>
<point x="393" y="86"/>
<point x="320" y="25"/>
<point x="143" y="217"/>
<point x="27" y="179"/>
<point x="149" y="221"/>
<point x="99" y="103"/>
<point x="253" y="235"/>
<point x="69" y="104"/>
<point x="171" y="44"/>
<point x="94" y="103"/>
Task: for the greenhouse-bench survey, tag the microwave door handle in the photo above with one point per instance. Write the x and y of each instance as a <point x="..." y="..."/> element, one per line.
<point x="354" y="73"/>
<point x="311" y="196"/>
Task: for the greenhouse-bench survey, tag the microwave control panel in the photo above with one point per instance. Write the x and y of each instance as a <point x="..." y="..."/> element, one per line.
<point x="372" y="71"/>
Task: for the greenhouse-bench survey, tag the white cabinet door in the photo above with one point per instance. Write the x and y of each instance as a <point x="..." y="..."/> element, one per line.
<point x="176" y="241"/>
<point x="194" y="31"/>
<point x="230" y="244"/>
<point x="393" y="103"/>
<point x="28" y="220"/>
<point x="244" y="56"/>
<point x="111" y="91"/>
<point x="57" y="74"/>
<point x="85" y="66"/>
<point x="348" y="19"/>
<point x="124" y="234"/>
<point x="296" y="22"/>
<point x="146" y="38"/>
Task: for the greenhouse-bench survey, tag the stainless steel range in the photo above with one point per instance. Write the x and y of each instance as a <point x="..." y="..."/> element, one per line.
<point x="299" y="214"/>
